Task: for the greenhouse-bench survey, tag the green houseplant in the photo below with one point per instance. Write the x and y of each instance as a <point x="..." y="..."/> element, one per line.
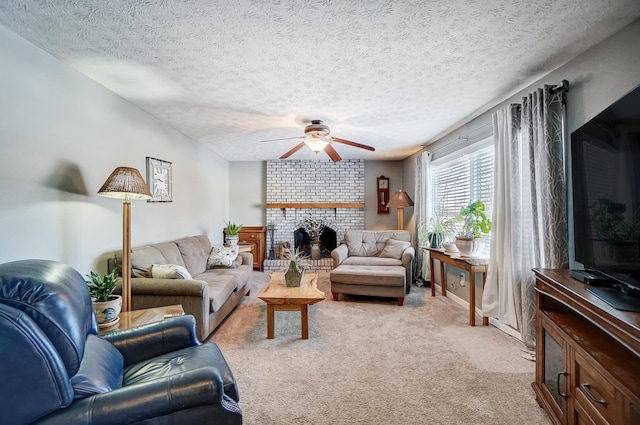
<point x="232" y="233"/>
<point x="433" y="232"/>
<point x="106" y="306"/>
<point x="475" y="225"/>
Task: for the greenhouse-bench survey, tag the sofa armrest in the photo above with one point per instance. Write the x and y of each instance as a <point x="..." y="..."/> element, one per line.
<point x="407" y="262"/>
<point x="153" y="339"/>
<point x="247" y="258"/>
<point x="339" y="254"/>
<point x="172" y="287"/>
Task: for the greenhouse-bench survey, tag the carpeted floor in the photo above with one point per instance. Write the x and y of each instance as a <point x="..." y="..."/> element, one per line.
<point x="368" y="361"/>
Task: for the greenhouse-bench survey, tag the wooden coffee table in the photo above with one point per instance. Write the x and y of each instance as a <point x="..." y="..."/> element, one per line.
<point x="279" y="297"/>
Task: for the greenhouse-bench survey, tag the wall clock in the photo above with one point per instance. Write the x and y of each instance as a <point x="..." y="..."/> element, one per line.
<point x="383" y="195"/>
<point x="159" y="180"/>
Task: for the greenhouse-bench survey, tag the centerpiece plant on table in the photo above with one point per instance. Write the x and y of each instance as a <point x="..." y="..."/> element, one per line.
<point x="295" y="268"/>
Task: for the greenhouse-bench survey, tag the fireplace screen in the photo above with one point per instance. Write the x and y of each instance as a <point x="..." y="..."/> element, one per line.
<point x="328" y="242"/>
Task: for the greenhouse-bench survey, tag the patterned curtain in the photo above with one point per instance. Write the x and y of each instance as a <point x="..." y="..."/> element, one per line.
<point x="421" y="209"/>
<point x="530" y="207"/>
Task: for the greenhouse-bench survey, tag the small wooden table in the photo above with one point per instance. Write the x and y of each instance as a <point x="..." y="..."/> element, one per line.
<point x="436" y="254"/>
<point x="279" y="297"/>
<point x="130" y="319"/>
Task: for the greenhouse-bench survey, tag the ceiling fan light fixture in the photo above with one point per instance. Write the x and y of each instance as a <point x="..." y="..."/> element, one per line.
<point x="315" y="144"/>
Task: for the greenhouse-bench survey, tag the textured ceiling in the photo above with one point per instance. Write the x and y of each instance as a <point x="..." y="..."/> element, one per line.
<point x="390" y="74"/>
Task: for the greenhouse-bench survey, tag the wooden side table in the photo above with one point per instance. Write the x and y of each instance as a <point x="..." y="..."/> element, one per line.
<point x="435" y="254"/>
<point x="130" y="319"/>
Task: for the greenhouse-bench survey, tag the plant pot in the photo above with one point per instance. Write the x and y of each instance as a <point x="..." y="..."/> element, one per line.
<point x="315" y="250"/>
<point x="292" y="276"/>
<point x="470" y="247"/>
<point x="107" y="311"/>
<point x="435" y="240"/>
<point x="232" y="239"/>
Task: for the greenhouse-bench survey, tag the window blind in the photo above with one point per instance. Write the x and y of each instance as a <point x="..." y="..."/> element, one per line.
<point x="463" y="180"/>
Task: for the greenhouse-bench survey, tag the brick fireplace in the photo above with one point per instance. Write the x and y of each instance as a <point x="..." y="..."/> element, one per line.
<point x="297" y="189"/>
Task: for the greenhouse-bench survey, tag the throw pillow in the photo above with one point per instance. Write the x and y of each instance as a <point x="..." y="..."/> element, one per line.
<point x="394" y="248"/>
<point x="170" y="271"/>
<point x="222" y="256"/>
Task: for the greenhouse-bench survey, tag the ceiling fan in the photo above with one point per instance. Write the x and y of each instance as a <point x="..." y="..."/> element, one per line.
<point x="318" y="139"/>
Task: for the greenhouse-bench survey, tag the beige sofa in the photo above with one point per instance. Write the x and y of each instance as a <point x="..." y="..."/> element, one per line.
<point x="210" y="296"/>
<point x="374" y="263"/>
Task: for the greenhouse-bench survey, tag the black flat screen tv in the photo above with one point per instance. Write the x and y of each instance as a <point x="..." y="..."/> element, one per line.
<point x="605" y="164"/>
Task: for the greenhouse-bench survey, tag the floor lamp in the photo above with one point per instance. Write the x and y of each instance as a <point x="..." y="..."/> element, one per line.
<point x="125" y="183"/>
<point x="400" y="200"/>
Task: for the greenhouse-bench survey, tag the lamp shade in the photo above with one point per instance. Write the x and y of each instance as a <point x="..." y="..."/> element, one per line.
<point x="316" y="144"/>
<point x="125" y="183"/>
<point x="400" y="199"/>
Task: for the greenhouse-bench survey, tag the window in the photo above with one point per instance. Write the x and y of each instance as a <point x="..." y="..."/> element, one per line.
<point x="457" y="182"/>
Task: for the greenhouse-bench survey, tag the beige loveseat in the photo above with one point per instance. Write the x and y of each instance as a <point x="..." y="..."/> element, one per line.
<point x="374" y="263"/>
<point x="210" y="296"/>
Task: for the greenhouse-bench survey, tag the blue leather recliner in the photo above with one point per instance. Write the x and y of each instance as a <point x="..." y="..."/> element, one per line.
<point x="54" y="369"/>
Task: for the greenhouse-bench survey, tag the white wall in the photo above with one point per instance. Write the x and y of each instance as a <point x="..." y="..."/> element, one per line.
<point x="247" y="194"/>
<point x="61" y="135"/>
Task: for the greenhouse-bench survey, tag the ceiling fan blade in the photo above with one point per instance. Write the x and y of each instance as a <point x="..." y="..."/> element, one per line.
<point x="332" y="153"/>
<point x="350" y="143"/>
<point x="292" y="151"/>
<point x="276" y="140"/>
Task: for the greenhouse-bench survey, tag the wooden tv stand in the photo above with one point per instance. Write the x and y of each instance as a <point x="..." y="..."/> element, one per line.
<point x="588" y="355"/>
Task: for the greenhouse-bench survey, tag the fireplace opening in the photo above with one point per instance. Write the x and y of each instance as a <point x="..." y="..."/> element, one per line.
<point x="328" y="242"/>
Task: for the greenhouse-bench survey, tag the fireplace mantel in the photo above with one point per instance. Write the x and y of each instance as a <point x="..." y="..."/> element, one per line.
<point x="316" y="205"/>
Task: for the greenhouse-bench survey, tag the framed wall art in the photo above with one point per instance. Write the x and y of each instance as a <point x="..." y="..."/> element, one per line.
<point x="159" y="180"/>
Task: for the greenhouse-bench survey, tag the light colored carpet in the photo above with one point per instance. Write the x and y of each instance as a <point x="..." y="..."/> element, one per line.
<point x="368" y="361"/>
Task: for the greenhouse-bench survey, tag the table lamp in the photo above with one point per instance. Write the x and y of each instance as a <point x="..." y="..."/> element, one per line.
<point x="126" y="183"/>
<point x="400" y="200"/>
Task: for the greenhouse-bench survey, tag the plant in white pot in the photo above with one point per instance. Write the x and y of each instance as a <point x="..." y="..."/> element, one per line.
<point x="232" y="232"/>
<point x="106" y="306"/>
<point x="476" y="225"/>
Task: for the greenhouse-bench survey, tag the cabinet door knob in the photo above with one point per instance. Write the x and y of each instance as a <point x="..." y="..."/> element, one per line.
<point x="587" y="389"/>
<point x="561" y="393"/>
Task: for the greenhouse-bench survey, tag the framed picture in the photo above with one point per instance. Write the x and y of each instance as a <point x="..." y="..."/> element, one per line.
<point x="159" y="180"/>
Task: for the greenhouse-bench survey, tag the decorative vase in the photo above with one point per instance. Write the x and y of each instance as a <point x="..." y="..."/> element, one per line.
<point x="469" y="247"/>
<point x="107" y="311"/>
<point x="292" y="276"/>
<point x="232" y="239"/>
<point x="315" y="250"/>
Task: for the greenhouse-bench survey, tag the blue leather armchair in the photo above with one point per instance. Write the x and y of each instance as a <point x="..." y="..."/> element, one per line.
<point x="54" y="369"/>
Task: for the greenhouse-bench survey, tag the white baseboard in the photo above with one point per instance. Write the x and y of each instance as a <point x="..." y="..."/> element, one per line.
<point x="492" y="321"/>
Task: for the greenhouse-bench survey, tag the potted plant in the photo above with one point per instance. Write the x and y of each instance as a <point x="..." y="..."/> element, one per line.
<point x="314" y="228"/>
<point x="295" y="268"/>
<point x="232" y="233"/>
<point x="470" y="239"/>
<point x="433" y="232"/>
<point x="106" y="306"/>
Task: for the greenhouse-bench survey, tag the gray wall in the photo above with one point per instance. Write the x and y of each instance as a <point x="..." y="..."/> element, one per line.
<point x="393" y="170"/>
<point x="597" y="78"/>
<point x="61" y="135"/>
<point x="247" y="194"/>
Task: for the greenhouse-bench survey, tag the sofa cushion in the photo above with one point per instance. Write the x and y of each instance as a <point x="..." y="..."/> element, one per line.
<point x="367" y="243"/>
<point x="222" y="256"/>
<point x="394" y="248"/>
<point x="220" y="289"/>
<point x="195" y="251"/>
<point x="101" y="369"/>
<point x="170" y="271"/>
<point x="372" y="261"/>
